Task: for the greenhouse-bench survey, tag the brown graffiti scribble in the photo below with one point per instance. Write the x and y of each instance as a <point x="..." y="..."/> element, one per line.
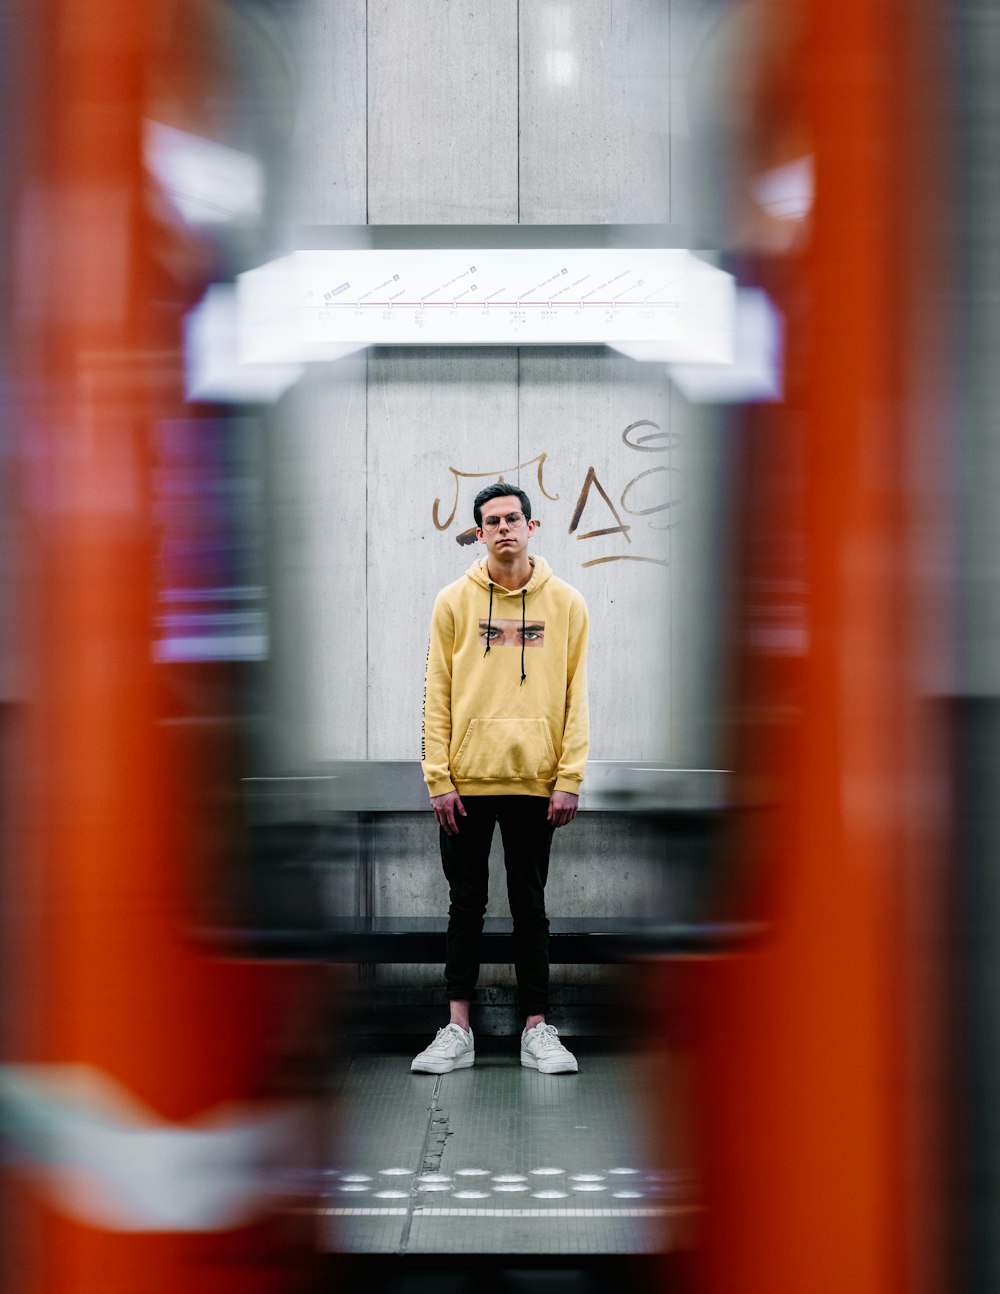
<point x="581" y="503"/>
<point x="657" y="507"/>
<point x="435" y="517"/>
<point x="625" y="557"/>
<point x="478" y="476"/>
<point x="608" y="530"/>
<point x="667" y="438"/>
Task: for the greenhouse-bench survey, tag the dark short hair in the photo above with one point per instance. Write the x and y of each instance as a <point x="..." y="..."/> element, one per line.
<point x="499" y="490"/>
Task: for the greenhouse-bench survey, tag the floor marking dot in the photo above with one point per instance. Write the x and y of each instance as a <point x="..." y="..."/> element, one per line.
<point x="391" y="1195"/>
<point x="355" y="1186"/>
<point x="472" y="1195"/>
<point x="549" y="1195"/>
<point x="509" y="1177"/>
<point x="510" y="1187"/>
<point x="395" y="1172"/>
<point x="434" y="1179"/>
<point x="627" y="1195"/>
<point x="587" y="1177"/>
<point x="356" y="1177"/>
<point x="588" y="1186"/>
<point x="434" y="1186"/>
<point x="547" y="1172"/>
<point x="623" y="1172"/>
<point x="472" y="1172"/>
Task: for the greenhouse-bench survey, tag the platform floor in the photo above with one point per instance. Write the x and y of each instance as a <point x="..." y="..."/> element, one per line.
<point x="497" y="1158"/>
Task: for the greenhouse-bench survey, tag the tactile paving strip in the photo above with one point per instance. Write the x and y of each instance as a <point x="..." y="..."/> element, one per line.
<point x="497" y="1159"/>
<point x="516" y="1122"/>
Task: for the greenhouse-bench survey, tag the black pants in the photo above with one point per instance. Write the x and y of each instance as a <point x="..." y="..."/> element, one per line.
<point x="527" y="838"/>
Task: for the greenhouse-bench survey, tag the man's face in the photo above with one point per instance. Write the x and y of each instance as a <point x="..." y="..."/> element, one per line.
<point x="504" y="531"/>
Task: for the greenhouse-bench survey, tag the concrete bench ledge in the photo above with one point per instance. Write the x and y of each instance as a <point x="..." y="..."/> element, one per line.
<point x="572" y="940"/>
<point x="397" y="786"/>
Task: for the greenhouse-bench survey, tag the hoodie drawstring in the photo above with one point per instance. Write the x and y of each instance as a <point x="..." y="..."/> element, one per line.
<point x="489" y="625"/>
<point x="489" y="617"/>
<point x="524" y="598"/>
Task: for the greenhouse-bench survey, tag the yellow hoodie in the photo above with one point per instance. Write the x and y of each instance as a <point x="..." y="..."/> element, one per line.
<point x="505" y="694"/>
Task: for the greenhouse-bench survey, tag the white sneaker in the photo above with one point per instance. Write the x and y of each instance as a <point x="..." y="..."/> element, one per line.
<point x="542" y="1050"/>
<point x="452" y="1048"/>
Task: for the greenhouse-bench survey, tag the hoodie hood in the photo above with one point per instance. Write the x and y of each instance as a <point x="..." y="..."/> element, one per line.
<point x="541" y="573"/>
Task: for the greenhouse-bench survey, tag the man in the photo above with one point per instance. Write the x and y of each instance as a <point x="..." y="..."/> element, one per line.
<point x="505" y="740"/>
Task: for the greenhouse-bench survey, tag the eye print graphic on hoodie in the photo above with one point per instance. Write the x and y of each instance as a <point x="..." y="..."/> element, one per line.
<point x="508" y="633"/>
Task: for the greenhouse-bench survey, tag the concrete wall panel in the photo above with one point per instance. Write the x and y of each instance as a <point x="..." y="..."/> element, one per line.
<point x="594" y="111"/>
<point x="329" y="168"/>
<point x="316" y="516"/>
<point x="408" y="880"/>
<point x="442" y="112"/>
<point x="603" y="424"/>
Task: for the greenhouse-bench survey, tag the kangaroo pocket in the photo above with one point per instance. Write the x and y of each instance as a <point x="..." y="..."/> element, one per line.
<point x="505" y="750"/>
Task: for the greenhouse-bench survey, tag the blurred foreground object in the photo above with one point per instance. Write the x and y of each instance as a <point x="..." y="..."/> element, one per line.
<point x="138" y="1071"/>
<point x="821" y="1051"/>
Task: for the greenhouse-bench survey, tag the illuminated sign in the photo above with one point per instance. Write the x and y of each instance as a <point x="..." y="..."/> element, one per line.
<point x="663" y="303"/>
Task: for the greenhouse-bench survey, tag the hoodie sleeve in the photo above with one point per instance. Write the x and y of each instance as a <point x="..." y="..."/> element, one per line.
<point x="436" y="739"/>
<point x="576" y="730"/>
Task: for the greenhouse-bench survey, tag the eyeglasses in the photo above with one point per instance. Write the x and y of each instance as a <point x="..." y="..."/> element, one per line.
<point x="512" y="519"/>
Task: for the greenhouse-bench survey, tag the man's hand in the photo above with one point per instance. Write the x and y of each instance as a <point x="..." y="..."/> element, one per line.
<point x="562" y="808"/>
<point x="446" y="807"/>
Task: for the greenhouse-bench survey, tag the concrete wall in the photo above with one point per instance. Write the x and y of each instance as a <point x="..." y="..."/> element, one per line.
<point x="502" y="111"/>
<point x="495" y="113"/>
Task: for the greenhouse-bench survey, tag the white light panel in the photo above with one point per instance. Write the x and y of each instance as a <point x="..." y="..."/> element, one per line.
<point x="320" y="305"/>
